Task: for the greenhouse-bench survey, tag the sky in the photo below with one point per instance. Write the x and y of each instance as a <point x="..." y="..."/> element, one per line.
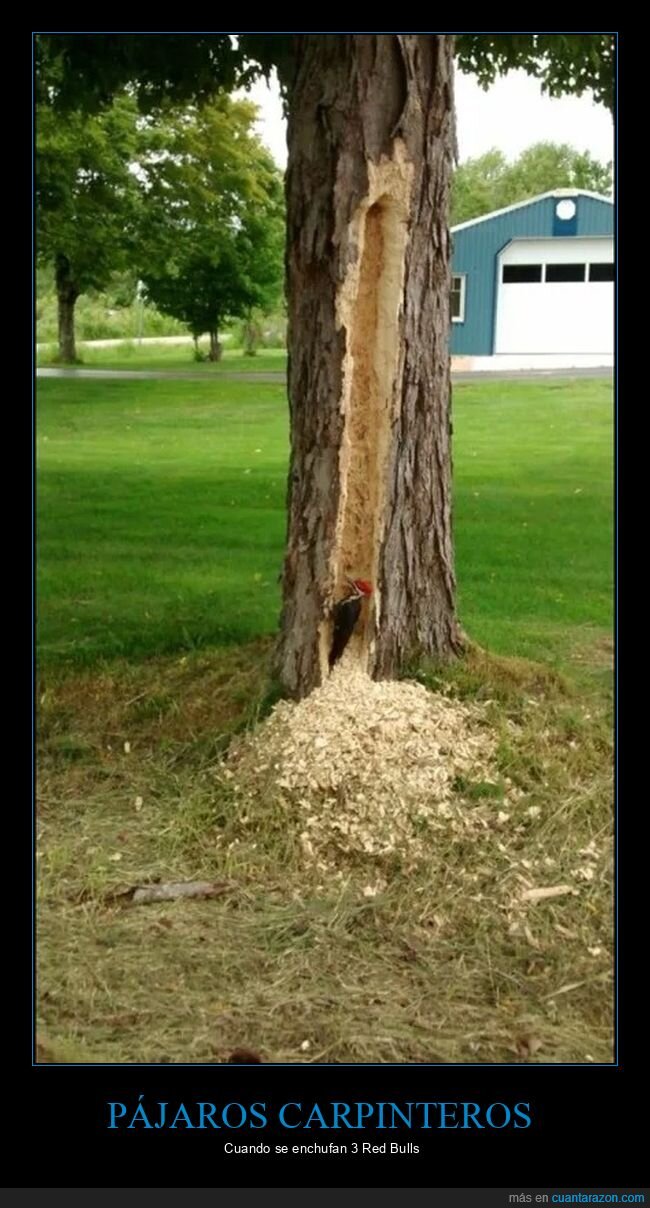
<point x="511" y="115"/>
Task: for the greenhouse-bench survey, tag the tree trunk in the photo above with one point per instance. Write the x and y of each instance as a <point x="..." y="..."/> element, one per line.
<point x="252" y="335"/>
<point x="215" y="346"/>
<point x="67" y="294"/>
<point x="371" y="148"/>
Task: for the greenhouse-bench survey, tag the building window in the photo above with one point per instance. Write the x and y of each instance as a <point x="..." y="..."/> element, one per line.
<point x="458" y="290"/>
<point x="601" y="272"/>
<point x="521" y="274"/>
<point x="565" y="210"/>
<point x="565" y="272"/>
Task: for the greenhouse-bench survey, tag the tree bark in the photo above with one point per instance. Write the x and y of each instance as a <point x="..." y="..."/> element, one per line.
<point x="371" y="149"/>
<point x="67" y="294"/>
<point x="215" y="347"/>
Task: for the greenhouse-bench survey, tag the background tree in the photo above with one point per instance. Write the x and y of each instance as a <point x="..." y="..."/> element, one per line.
<point x="489" y="181"/>
<point x="86" y="201"/>
<point x="371" y="139"/>
<point x="212" y="227"/>
<point x="546" y="165"/>
<point x="252" y="334"/>
<point x="477" y="186"/>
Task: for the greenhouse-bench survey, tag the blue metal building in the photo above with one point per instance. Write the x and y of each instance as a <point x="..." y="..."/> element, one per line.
<point x="535" y="280"/>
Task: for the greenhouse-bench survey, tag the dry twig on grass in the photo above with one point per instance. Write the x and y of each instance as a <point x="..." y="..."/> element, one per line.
<point x="139" y="895"/>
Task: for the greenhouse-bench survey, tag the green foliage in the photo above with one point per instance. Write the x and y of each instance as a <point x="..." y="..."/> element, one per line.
<point x="564" y="63"/>
<point x="477" y="186"/>
<point x="160" y="354"/>
<point x="89" y="69"/>
<point x="488" y="182"/>
<point x="121" y="291"/>
<point x="105" y="316"/>
<point x="546" y="165"/>
<point x="269" y="330"/>
<point x="86" y="196"/>
<point x="212" y="231"/>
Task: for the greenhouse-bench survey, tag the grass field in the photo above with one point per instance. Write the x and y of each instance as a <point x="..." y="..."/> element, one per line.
<point x="160" y="534"/>
<point x="162" y="515"/>
<point x="171" y="357"/>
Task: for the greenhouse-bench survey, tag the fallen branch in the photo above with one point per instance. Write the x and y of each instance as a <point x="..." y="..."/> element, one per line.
<point x="139" y="895"/>
<point x="565" y="989"/>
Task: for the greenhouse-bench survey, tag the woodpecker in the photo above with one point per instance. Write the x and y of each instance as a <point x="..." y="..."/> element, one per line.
<point x="345" y="615"/>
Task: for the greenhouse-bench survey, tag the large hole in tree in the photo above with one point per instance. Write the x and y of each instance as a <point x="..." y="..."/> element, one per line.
<point x="371" y="317"/>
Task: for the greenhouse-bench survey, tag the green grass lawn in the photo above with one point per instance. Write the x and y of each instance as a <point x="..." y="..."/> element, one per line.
<point x="171" y="357"/>
<point x="533" y="513"/>
<point x="161" y="515"/>
<point x="160" y="537"/>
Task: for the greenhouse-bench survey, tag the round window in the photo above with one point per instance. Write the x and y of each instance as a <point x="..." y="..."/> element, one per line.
<point x="565" y="209"/>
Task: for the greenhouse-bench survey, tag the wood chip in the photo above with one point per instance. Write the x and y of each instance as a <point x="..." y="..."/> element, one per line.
<point x="375" y="764"/>
<point x="550" y="891"/>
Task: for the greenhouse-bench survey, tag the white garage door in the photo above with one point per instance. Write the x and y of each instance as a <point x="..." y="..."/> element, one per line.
<point x="556" y="295"/>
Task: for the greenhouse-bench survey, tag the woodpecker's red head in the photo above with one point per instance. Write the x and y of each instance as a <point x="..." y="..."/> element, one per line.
<point x="363" y="587"/>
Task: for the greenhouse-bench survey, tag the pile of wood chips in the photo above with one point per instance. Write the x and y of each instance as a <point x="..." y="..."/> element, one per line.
<point x="370" y="767"/>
